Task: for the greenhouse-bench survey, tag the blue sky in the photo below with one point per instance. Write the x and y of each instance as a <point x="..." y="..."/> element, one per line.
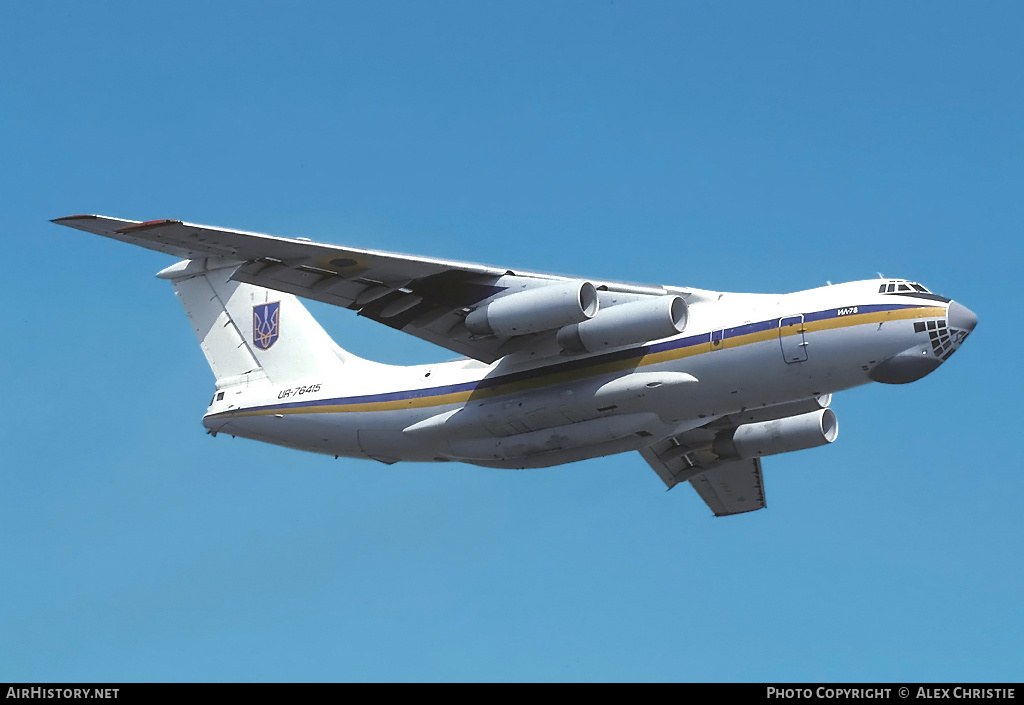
<point x="730" y="146"/>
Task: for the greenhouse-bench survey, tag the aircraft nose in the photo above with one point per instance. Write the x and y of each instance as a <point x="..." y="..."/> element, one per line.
<point x="961" y="317"/>
<point x="914" y="363"/>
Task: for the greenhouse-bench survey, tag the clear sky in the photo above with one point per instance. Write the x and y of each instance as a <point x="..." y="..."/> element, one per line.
<point x="762" y="147"/>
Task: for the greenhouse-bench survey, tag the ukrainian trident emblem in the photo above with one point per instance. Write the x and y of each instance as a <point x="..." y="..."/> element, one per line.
<point x="266" y="324"/>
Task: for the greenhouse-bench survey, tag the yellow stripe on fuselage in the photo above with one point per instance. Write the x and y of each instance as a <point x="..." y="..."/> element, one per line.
<point x="586" y="371"/>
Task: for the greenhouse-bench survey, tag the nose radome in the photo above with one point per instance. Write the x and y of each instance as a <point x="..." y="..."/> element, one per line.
<point x="961" y="317"/>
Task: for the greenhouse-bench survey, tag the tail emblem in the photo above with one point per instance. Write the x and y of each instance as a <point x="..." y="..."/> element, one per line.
<point x="266" y="320"/>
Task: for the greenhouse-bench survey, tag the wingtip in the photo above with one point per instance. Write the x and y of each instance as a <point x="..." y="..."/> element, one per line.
<point x="62" y="220"/>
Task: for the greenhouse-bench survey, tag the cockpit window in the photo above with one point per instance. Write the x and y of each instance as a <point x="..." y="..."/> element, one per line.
<point x="902" y="286"/>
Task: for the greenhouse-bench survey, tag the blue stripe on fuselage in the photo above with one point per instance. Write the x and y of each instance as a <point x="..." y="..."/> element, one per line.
<point x="491" y="383"/>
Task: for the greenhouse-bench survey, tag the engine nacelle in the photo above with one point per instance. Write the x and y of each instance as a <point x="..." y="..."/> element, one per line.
<point x="535" y="310"/>
<point x="754" y="440"/>
<point x="779" y="411"/>
<point x="635" y="322"/>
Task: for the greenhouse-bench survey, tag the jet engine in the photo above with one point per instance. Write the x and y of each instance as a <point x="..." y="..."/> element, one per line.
<point x="535" y="310"/>
<point x="754" y="440"/>
<point x="635" y="322"/>
<point x="780" y="411"/>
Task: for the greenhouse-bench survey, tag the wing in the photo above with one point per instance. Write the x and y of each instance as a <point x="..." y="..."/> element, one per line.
<point x="426" y="297"/>
<point x="730" y="487"/>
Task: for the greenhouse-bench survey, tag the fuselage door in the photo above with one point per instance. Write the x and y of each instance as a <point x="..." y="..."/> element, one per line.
<point x="791" y="337"/>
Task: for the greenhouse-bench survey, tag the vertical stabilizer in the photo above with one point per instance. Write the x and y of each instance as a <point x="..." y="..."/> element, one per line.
<point x="249" y="332"/>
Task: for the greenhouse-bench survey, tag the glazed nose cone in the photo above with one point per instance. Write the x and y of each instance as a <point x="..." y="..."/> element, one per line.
<point x="914" y="363"/>
<point x="961" y="317"/>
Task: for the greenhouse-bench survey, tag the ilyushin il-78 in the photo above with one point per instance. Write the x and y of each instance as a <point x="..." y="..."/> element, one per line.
<point x="553" y="370"/>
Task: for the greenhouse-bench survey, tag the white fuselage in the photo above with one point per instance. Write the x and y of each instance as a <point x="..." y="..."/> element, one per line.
<point x="738" y="352"/>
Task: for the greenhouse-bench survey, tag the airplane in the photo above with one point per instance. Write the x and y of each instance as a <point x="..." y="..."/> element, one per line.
<point x="552" y="369"/>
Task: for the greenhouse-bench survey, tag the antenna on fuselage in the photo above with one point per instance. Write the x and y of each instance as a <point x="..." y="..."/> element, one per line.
<point x="880" y="275"/>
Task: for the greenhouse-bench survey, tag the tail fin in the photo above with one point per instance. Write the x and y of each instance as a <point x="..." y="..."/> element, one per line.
<point x="248" y="332"/>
